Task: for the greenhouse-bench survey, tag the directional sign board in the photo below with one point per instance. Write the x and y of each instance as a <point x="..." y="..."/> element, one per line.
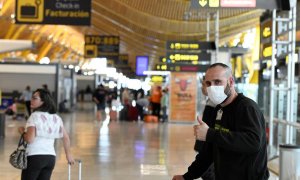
<point x="261" y="4"/>
<point x="68" y="12"/>
<point x="181" y="67"/>
<point x="102" y="46"/>
<point x="188" y="57"/>
<point x="190" y="45"/>
<point x="226" y="3"/>
<point x="238" y="3"/>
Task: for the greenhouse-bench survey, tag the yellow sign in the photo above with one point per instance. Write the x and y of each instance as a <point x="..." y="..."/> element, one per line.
<point x="267" y="32"/>
<point x="184" y="46"/>
<point x="157" y="79"/>
<point x="202" y="2"/>
<point x="102" y="40"/>
<point x="184" y="57"/>
<point x="267" y="52"/>
<point x="91" y="50"/>
<point x="30" y="10"/>
<point x="214" y="3"/>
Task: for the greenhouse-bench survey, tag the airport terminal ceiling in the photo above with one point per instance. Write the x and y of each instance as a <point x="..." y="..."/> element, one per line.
<point x="144" y="26"/>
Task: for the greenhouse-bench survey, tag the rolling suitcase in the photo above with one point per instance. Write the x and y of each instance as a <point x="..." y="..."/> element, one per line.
<point x="79" y="170"/>
<point x="123" y="114"/>
<point x="133" y="113"/>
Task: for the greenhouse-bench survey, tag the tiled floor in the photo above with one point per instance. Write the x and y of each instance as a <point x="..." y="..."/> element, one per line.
<point x="113" y="150"/>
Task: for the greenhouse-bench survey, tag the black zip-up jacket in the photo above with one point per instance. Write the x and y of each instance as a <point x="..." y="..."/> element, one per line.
<point x="236" y="144"/>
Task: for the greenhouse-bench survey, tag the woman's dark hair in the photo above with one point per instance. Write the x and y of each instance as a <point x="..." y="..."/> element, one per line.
<point x="48" y="105"/>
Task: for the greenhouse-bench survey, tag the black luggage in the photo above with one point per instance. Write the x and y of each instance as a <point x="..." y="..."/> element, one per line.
<point x="123" y="114"/>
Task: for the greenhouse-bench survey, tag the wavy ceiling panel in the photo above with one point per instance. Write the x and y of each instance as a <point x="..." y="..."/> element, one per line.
<point x="144" y="27"/>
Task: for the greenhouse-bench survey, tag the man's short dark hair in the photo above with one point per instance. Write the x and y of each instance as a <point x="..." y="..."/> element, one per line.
<point x="227" y="68"/>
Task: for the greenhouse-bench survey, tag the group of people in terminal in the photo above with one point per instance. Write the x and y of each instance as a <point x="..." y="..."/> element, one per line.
<point x="153" y="103"/>
<point x="24" y="99"/>
<point x="230" y="137"/>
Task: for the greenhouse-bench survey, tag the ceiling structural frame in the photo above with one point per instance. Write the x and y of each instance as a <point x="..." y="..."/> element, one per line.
<point x="143" y="26"/>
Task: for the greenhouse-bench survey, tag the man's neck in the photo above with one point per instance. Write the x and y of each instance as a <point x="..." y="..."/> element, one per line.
<point x="230" y="99"/>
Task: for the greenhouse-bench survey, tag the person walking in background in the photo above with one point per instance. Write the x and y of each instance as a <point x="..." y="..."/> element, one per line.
<point x="236" y="139"/>
<point x="141" y="103"/>
<point x="99" y="97"/>
<point x="42" y="128"/>
<point x="45" y="86"/>
<point x="26" y="97"/>
<point x="164" y="104"/>
<point x="155" y="98"/>
<point x="125" y="97"/>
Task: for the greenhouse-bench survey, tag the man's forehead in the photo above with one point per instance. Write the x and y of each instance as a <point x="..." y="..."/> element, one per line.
<point x="215" y="73"/>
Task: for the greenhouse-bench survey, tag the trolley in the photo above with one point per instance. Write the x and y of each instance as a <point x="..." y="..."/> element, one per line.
<point x="79" y="169"/>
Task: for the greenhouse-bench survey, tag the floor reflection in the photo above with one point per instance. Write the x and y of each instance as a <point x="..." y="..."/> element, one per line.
<point x="113" y="150"/>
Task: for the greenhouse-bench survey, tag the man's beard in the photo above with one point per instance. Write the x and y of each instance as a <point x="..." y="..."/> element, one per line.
<point x="227" y="91"/>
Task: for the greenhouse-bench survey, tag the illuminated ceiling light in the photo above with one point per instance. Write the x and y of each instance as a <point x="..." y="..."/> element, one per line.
<point x="77" y="68"/>
<point x="45" y="60"/>
<point x="162" y="73"/>
<point x="90" y="73"/>
<point x="71" y="66"/>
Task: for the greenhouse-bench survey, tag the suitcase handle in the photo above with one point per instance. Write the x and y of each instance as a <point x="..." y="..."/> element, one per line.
<point x="79" y="169"/>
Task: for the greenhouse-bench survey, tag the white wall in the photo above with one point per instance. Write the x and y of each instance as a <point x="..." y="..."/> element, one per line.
<point x="10" y="81"/>
<point x="84" y="81"/>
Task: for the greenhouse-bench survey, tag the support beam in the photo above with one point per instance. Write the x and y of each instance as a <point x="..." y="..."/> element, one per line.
<point x="47" y="45"/>
<point x="15" y="45"/>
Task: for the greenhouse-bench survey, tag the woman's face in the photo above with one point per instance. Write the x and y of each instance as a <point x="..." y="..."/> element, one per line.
<point x="36" y="101"/>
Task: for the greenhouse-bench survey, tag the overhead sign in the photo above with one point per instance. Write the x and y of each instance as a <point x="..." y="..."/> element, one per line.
<point x="142" y="63"/>
<point x="267" y="50"/>
<point x="158" y="79"/>
<point x="162" y="59"/>
<point x="261" y="4"/>
<point x="238" y="3"/>
<point x="190" y="45"/>
<point x="101" y="46"/>
<point x="181" y="67"/>
<point x="181" y="57"/>
<point x="123" y="59"/>
<point x="68" y="12"/>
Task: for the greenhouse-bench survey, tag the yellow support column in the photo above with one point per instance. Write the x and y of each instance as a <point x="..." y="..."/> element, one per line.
<point x="26" y="52"/>
<point x="10" y="31"/>
<point x="6" y="5"/>
<point x="47" y="46"/>
<point x="66" y="54"/>
<point x="41" y="32"/>
<point x="19" y="31"/>
<point x="56" y="50"/>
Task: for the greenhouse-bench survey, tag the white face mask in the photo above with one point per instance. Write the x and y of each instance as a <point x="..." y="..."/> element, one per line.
<point x="216" y="94"/>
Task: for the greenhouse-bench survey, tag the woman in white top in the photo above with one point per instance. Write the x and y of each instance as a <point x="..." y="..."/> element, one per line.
<point x="41" y="130"/>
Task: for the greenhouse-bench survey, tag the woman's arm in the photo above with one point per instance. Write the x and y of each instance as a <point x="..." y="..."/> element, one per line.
<point x="66" y="141"/>
<point x="29" y="135"/>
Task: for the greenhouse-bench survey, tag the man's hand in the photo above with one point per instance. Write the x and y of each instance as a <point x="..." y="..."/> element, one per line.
<point x="200" y="130"/>
<point x="178" y="177"/>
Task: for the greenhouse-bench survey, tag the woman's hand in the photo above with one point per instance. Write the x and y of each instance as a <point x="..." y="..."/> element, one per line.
<point x="70" y="159"/>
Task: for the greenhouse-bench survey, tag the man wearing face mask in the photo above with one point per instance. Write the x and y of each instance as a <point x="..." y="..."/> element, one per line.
<point x="236" y="139"/>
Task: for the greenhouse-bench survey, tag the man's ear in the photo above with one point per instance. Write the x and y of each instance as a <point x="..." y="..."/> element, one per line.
<point x="231" y="81"/>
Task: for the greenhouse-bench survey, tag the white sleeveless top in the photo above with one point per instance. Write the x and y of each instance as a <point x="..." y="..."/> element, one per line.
<point x="48" y="128"/>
